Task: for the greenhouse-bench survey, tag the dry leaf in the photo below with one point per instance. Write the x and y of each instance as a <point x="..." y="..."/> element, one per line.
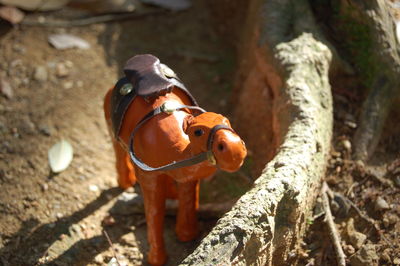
<point x="60" y="156"/>
<point x="11" y="14"/>
<point x="65" y="41"/>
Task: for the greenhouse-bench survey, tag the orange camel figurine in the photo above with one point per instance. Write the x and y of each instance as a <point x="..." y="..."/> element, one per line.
<point x="163" y="140"/>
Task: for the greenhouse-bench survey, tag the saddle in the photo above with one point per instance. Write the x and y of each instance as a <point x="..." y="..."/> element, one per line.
<point x="146" y="77"/>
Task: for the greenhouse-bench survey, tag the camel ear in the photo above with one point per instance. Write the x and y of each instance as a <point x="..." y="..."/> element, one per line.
<point x="187" y="121"/>
<point x="226" y="122"/>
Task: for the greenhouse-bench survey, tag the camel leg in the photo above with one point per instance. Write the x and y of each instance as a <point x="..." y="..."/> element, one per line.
<point x="153" y="189"/>
<point x="186" y="221"/>
<point x="126" y="172"/>
<point x="170" y="188"/>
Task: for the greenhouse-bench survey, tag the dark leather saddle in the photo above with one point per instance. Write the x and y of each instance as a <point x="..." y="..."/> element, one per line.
<point x="146" y="77"/>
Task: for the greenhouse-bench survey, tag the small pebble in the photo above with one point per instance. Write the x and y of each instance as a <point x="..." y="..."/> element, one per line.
<point x="61" y="70"/>
<point x="366" y="255"/>
<point x="19" y="48"/>
<point x="40" y="74"/>
<point x="93" y="188"/>
<point x="108" y="220"/>
<point x="346" y="145"/>
<point x="59" y="215"/>
<point x="99" y="259"/>
<point x="349" y="249"/>
<point x="386" y="256"/>
<point x="360" y="164"/>
<point x="6" y="88"/>
<point x="45" y="187"/>
<point x="69" y="64"/>
<point x="381" y="204"/>
<point x="350" y="124"/>
<point x="27" y="125"/>
<point x="396" y="261"/>
<point x="335" y="154"/>
<point x="68" y="85"/>
<point x="45" y="130"/>
<point x="356" y="239"/>
<point x="389" y="219"/>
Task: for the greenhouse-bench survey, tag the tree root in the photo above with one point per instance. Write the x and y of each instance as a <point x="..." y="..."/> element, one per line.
<point x="386" y="83"/>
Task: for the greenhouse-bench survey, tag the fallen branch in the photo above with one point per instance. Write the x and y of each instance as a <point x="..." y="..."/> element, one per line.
<point x="79" y="22"/>
<point x="333" y="233"/>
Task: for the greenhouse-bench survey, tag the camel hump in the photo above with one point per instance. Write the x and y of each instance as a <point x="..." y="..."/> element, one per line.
<point x="147" y="77"/>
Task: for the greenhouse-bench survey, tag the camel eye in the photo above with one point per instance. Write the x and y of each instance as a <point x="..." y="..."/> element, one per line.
<point x="198" y="132"/>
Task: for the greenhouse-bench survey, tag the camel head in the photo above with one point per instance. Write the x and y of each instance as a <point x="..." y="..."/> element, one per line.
<point x="227" y="148"/>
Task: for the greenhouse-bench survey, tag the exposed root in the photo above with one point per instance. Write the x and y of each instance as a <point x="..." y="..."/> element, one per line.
<point x="386" y="82"/>
<point x="333" y="233"/>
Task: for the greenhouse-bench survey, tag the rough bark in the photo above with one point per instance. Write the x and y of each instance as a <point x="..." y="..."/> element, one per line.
<point x="267" y="223"/>
<point x="269" y="220"/>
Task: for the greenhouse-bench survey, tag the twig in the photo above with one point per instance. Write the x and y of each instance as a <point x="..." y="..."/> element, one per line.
<point x="89" y="20"/>
<point x="333" y="233"/>
<point x="317" y="216"/>
<point x="112" y="246"/>
<point x="350" y="190"/>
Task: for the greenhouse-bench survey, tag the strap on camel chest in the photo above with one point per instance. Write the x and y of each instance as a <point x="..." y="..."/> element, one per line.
<point x="145" y="76"/>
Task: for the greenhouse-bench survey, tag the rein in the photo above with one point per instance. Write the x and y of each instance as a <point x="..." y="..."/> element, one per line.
<point x="168" y="108"/>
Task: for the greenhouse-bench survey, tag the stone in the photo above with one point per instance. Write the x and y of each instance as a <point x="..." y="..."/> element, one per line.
<point x="349" y="250"/>
<point x="346" y="145"/>
<point x="68" y="85"/>
<point x="356" y="239"/>
<point x="93" y="188"/>
<point x="27" y="126"/>
<point x="381" y="204"/>
<point x="61" y="70"/>
<point x="40" y="74"/>
<point x="366" y="255"/>
<point x="19" y="48"/>
<point x="99" y="259"/>
<point x="45" y="187"/>
<point x="69" y="64"/>
<point x="45" y="130"/>
<point x="385" y="256"/>
<point x="6" y="88"/>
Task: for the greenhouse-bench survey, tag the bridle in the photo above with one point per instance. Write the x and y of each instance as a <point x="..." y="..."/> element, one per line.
<point x="169" y="107"/>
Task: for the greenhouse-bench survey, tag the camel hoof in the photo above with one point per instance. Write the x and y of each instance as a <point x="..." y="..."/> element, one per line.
<point x="156" y="257"/>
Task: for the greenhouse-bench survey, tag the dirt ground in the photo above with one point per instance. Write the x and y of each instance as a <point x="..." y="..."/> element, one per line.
<point x="365" y="202"/>
<point x="59" y="219"/>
